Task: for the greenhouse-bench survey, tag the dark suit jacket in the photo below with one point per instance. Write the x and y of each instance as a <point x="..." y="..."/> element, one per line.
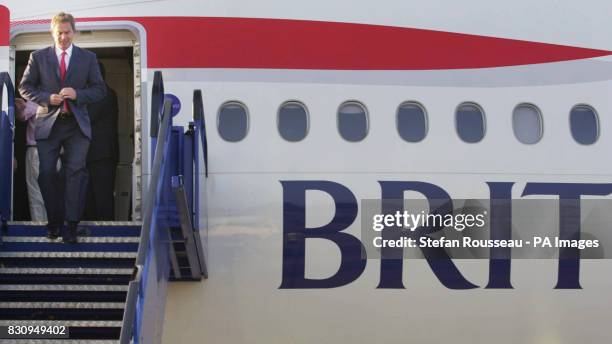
<point x="104" y="116"/>
<point x="42" y="78"/>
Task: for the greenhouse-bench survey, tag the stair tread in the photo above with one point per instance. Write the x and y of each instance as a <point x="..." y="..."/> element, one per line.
<point x="68" y="254"/>
<point x="82" y="223"/>
<point x="40" y="230"/>
<point x="82" y="239"/>
<point x="62" y="287"/>
<point x="66" y="271"/>
<point x="63" y="305"/>
<point x="101" y="263"/>
<point x="69" y="323"/>
<point x="59" y="341"/>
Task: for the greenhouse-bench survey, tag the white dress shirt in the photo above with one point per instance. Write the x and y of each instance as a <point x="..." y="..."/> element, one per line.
<point x="58" y="53"/>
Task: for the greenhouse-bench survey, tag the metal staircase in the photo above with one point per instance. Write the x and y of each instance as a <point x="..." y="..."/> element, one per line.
<point x="111" y="286"/>
<point x="82" y="286"/>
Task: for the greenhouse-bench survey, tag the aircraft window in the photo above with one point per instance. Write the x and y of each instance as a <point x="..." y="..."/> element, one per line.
<point x="584" y="124"/>
<point x="352" y="121"/>
<point x="411" y="122"/>
<point x="293" y="121"/>
<point x="470" y="122"/>
<point x="233" y="121"/>
<point x="527" y="123"/>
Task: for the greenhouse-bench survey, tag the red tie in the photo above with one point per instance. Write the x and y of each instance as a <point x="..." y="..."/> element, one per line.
<point x="63" y="75"/>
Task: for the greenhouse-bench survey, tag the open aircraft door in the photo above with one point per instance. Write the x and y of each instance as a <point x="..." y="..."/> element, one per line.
<point x="7" y="120"/>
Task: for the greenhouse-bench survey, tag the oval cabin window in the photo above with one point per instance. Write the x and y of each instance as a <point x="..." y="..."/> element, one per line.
<point x="411" y="122"/>
<point x="584" y="124"/>
<point x="470" y="123"/>
<point x="293" y="121"/>
<point x="352" y="121"/>
<point x="233" y="122"/>
<point x="527" y="123"/>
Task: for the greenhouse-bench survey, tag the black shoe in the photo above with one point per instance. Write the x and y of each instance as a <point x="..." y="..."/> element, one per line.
<point x="70" y="235"/>
<point x="53" y="231"/>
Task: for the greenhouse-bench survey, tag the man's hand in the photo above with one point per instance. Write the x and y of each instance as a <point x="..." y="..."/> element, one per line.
<point x="55" y="99"/>
<point x="68" y="93"/>
<point x="19" y="104"/>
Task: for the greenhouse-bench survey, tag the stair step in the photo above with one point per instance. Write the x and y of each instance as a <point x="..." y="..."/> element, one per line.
<point x="82" y="240"/>
<point x="67" y="262"/>
<point x="58" y="254"/>
<point x="60" y="246"/>
<point x="59" y="341"/>
<point x="65" y="271"/>
<point x="85" y="229"/>
<point x="61" y="279"/>
<point x="61" y="295"/>
<point x="69" y="323"/>
<point x="87" y="276"/>
<point x="81" y="223"/>
<point x="80" y="331"/>
<point x="75" y="313"/>
<point x="58" y="305"/>
<point x="64" y="287"/>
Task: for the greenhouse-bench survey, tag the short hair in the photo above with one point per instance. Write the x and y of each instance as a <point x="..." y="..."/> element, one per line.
<point x="63" y="17"/>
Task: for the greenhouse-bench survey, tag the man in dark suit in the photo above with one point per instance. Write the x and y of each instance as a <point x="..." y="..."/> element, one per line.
<point x="62" y="80"/>
<point x="103" y="156"/>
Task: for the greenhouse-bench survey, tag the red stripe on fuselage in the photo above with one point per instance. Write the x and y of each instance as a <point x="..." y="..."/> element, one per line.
<point x="212" y="42"/>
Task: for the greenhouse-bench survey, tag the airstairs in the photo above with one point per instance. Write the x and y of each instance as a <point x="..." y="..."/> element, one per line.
<point x="110" y="287"/>
<point x="83" y="286"/>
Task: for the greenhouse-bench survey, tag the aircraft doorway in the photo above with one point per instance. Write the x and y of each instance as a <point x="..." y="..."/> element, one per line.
<point x="120" y="76"/>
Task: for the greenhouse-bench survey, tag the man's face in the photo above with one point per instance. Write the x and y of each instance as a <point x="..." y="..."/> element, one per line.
<point x="62" y="35"/>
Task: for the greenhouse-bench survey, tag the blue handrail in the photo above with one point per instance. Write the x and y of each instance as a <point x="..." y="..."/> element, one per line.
<point x="146" y="292"/>
<point x="199" y="132"/>
<point x="143" y="316"/>
<point x="200" y="123"/>
<point x="157" y="108"/>
<point x="7" y="126"/>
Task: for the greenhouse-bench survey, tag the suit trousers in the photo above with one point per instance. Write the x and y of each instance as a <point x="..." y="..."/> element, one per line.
<point x="63" y="200"/>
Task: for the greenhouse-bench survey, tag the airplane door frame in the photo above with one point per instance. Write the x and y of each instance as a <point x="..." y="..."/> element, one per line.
<point x="7" y="122"/>
<point x="141" y="164"/>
